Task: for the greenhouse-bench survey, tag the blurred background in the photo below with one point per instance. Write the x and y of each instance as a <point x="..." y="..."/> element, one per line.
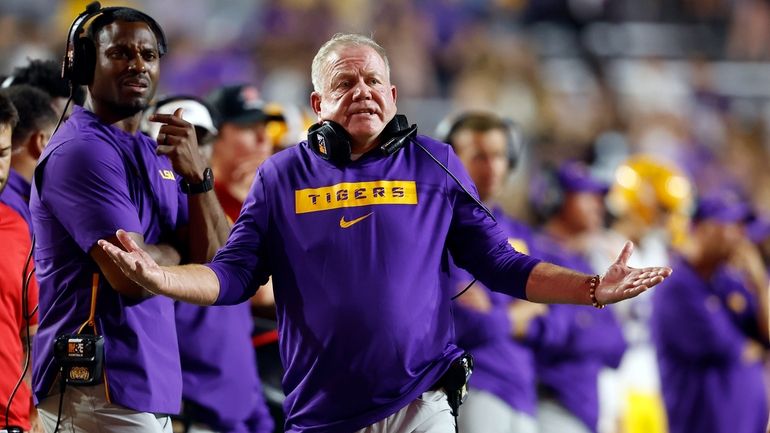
<point x="686" y="79"/>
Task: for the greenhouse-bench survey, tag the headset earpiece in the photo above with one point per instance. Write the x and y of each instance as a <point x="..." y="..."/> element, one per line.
<point x="332" y="142"/>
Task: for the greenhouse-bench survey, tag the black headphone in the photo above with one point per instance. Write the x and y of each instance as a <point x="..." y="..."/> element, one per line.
<point x="514" y="141"/>
<point x="80" y="56"/>
<point x="332" y="142"/>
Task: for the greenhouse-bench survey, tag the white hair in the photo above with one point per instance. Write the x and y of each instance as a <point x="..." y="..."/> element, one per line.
<point x="337" y="42"/>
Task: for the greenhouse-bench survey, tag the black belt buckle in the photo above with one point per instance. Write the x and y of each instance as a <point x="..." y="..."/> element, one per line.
<point x="455" y="381"/>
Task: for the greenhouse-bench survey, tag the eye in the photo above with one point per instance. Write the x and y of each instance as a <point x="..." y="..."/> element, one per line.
<point x="116" y="54"/>
<point x="149" y="55"/>
<point x="374" y="81"/>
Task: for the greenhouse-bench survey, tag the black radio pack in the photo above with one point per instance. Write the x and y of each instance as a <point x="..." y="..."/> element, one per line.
<point x="80" y="357"/>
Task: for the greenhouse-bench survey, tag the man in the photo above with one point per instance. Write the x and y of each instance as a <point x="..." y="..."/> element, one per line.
<point x="242" y="143"/>
<point x="46" y="76"/>
<point x="355" y="243"/>
<point x="710" y="331"/>
<point x="576" y="342"/>
<point x="37" y="120"/>
<point x="490" y="325"/>
<point x="220" y="388"/>
<point x="15" y="320"/>
<point x="99" y="173"/>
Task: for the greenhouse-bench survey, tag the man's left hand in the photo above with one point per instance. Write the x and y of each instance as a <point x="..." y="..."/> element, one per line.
<point x="178" y="141"/>
<point x="623" y="282"/>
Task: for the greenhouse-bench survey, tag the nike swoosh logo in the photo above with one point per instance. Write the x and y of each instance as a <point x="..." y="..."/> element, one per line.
<point x="345" y="224"/>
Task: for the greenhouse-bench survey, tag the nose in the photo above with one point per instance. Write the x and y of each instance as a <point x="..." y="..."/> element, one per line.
<point x="361" y="91"/>
<point x="137" y="65"/>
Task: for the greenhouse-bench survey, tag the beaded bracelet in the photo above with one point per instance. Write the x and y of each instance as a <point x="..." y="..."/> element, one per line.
<point x="593" y="283"/>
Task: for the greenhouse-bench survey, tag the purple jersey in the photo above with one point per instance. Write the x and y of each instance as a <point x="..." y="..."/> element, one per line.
<point x="219" y="368"/>
<point x="16" y="195"/>
<point x="573" y="343"/>
<point x="98" y="178"/>
<point x="359" y="261"/>
<point x="710" y="384"/>
<point x="503" y="366"/>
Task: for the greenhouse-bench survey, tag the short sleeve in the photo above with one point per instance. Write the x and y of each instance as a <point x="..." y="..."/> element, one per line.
<point x="85" y="186"/>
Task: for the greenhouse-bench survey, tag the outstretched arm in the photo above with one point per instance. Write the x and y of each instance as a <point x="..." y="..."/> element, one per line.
<point x="196" y="284"/>
<point x="549" y="283"/>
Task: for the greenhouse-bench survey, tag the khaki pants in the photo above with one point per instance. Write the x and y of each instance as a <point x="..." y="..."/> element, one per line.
<point x="85" y="410"/>
<point x="428" y="414"/>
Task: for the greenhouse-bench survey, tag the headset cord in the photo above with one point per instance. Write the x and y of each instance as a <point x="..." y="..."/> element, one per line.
<point x="62" y="388"/>
<point x="468" y="193"/>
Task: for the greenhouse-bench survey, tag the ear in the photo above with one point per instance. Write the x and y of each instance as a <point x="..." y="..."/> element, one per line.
<point x="36" y="144"/>
<point x="394" y="93"/>
<point x="315" y="103"/>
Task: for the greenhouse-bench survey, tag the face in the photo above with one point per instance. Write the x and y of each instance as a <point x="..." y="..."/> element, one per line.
<point x="5" y="154"/>
<point x="718" y="239"/>
<point x="127" y="68"/>
<point x="357" y="94"/>
<point x="583" y="211"/>
<point x="485" y="156"/>
<point x="241" y="143"/>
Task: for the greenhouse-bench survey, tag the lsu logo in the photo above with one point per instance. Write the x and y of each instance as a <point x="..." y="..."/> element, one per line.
<point x="167" y="174"/>
<point x="352" y="194"/>
<point x="322" y="145"/>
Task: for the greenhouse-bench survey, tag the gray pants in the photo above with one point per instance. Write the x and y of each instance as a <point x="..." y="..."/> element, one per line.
<point x="430" y="413"/>
<point x="483" y="412"/>
<point x="85" y="410"/>
<point x="552" y="417"/>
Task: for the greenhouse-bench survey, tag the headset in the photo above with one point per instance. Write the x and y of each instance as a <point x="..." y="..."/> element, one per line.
<point x="333" y="143"/>
<point x="486" y="121"/>
<point x="80" y="55"/>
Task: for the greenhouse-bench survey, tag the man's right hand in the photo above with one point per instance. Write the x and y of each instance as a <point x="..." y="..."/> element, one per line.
<point x="135" y="263"/>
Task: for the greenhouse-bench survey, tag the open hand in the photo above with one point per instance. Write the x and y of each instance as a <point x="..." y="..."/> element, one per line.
<point x="623" y="282"/>
<point x="135" y="263"/>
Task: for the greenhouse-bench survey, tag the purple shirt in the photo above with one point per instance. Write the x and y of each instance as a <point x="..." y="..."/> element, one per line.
<point x="503" y="366"/>
<point x="359" y="261"/>
<point x="16" y="195"/>
<point x="96" y="179"/>
<point x="219" y="368"/>
<point x="709" y="385"/>
<point x="574" y="342"/>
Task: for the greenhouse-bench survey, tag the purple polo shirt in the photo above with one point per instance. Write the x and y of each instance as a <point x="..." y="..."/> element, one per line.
<point x="709" y="385"/>
<point x="359" y="261"/>
<point x="16" y="195"/>
<point x="219" y="368"/>
<point x="574" y="342"/>
<point x="503" y="366"/>
<point x="98" y="178"/>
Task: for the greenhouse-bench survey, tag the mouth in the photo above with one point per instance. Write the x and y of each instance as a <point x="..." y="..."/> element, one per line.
<point x="363" y="112"/>
<point x="135" y="84"/>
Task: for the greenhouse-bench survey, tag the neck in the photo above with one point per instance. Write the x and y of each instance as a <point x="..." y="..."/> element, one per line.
<point x="362" y="148"/>
<point x="24" y="165"/>
<point x="126" y="119"/>
<point x="703" y="264"/>
<point x="565" y="235"/>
